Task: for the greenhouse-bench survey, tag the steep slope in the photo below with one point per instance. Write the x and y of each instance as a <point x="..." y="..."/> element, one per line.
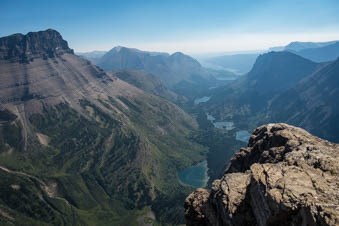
<point x="103" y="147"/>
<point x="285" y="176"/>
<point x="312" y="104"/>
<point x="272" y="73"/>
<point x="147" y="82"/>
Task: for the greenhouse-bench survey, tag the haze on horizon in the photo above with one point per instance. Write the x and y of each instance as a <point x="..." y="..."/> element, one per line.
<point x="194" y="27"/>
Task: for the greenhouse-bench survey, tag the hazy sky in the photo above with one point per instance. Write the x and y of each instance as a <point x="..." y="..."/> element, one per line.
<point x="191" y="26"/>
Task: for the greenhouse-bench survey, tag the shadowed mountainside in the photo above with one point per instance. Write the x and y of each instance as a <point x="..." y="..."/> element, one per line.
<point x="312" y="103"/>
<point x="148" y="82"/>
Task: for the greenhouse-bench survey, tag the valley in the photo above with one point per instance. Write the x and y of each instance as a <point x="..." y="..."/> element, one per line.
<point x="106" y="145"/>
<point x="169" y="113"/>
<point x="124" y="136"/>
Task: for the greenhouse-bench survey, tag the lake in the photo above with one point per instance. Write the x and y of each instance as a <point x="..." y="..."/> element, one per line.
<point x="201" y="100"/>
<point x="195" y="176"/>
<point x="210" y="117"/>
<point x="243" y="135"/>
<point x="226" y="78"/>
<point x="224" y="125"/>
<point x="228" y="125"/>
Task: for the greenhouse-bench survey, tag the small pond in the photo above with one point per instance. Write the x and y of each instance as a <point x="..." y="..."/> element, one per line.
<point x="210" y="117"/>
<point x="224" y="125"/>
<point x="195" y="176"/>
<point x="201" y="100"/>
<point x="243" y="135"/>
<point x="228" y="125"/>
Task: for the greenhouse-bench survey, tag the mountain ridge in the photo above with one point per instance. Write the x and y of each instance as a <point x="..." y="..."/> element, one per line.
<point x="27" y="47"/>
<point x="108" y="147"/>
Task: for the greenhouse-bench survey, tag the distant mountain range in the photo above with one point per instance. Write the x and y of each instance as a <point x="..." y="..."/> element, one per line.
<point x="177" y="72"/>
<point x="271" y="74"/>
<point x="169" y="68"/>
<point x="323" y="53"/>
<point x="283" y="87"/>
<point x="92" y="56"/>
<point x="299" y="46"/>
<point x="315" y="51"/>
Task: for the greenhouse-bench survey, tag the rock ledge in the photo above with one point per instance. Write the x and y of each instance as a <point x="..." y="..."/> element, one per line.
<point x="285" y="176"/>
<point x="25" y="48"/>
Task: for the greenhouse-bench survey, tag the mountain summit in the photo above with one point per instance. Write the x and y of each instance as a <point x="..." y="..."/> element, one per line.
<point x="42" y="44"/>
<point x="277" y="71"/>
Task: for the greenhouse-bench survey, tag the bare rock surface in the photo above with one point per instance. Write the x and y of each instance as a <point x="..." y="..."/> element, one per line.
<point x="25" y="48"/>
<point x="285" y="176"/>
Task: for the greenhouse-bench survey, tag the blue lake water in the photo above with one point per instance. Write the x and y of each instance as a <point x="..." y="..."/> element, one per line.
<point x="243" y="135"/>
<point x="202" y="100"/>
<point x="226" y="78"/>
<point x="224" y="125"/>
<point x="228" y="125"/>
<point x="195" y="176"/>
<point x="210" y="117"/>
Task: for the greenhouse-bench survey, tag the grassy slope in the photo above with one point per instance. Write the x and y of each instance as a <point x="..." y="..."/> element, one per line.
<point x="108" y="167"/>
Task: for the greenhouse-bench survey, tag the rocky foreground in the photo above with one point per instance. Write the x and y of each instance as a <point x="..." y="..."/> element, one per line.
<point x="285" y="176"/>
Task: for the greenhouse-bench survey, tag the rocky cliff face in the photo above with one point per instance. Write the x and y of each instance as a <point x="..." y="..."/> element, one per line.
<point x="285" y="176"/>
<point x="25" y="48"/>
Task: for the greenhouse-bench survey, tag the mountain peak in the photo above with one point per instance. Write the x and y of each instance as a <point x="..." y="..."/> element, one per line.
<point x="281" y="60"/>
<point x="41" y="44"/>
<point x="278" y="71"/>
<point x="279" y="54"/>
<point x="118" y="49"/>
<point x="178" y="54"/>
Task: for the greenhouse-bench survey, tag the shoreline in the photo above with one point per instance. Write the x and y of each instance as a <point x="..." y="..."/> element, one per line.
<point x="204" y="180"/>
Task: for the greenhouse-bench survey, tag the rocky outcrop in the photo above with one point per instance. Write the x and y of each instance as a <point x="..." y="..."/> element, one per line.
<point x="25" y="48"/>
<point x="285" y="176"/>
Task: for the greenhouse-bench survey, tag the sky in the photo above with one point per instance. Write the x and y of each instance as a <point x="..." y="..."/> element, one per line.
<point x="190" y="26"/>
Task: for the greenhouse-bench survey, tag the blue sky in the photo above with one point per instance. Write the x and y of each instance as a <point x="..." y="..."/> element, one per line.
<point x="191" y="26"/>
